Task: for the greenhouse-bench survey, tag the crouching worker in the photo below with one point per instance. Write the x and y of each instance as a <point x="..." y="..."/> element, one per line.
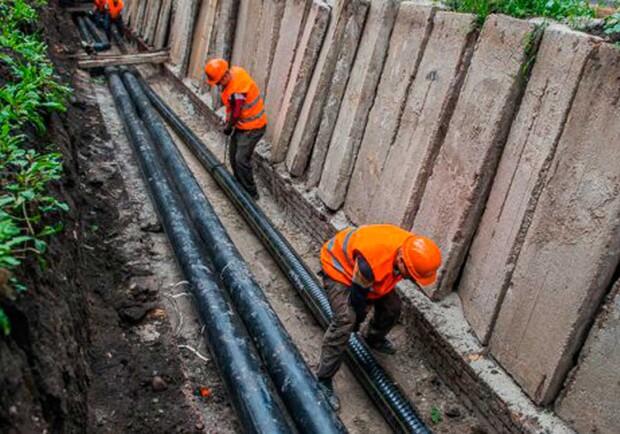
<point x="245" y="117"/>
<point x="113" y="17"/>
<point x="361" y="268"/>
<point x="99" y="12"/>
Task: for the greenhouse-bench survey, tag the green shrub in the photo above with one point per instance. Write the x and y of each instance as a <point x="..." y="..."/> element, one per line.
<point x="556" y="9"/>
<point x="28" y="212"/>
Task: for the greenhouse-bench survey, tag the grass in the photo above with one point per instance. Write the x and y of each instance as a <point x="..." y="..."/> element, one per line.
<point x="29" y="213"/>
<point x="557" y="9"/>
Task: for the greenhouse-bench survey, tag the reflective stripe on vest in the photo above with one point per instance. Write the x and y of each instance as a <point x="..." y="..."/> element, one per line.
<point x="330" y="249"/>
<point x="256" y="116"/>
<point x="253" y="103"/>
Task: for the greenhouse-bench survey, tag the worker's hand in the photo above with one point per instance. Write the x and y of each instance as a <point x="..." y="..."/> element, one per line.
<point x="357" y="300"/>
<point x="228" y="130"/>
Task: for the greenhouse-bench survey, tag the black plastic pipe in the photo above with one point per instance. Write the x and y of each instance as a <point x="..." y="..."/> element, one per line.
<point x="92" y="28"/>
<point x="87" y="37"/>
<point x="235" y="357"/>
<point x="384" y="392"/>
<point x="288" y="370"/>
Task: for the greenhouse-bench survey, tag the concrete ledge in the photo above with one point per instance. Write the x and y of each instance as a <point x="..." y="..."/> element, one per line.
<point x="453" y="349"/>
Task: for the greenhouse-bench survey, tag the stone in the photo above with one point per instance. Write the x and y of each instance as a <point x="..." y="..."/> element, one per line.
<point x="268" y="34"/>
<point x="361" y="87"/>
<point x="181" y="33"/>
<point x="519" y="181"/>
<point x="388" y="183"/>
<point x="201" y="40"/>
<point x="158" y="384"/>
<point x="328" y="83"/>
<point x="411" y="31"/>
<point x="222" y="37"/>
<point x="455" y="193"/>
<point x="572" y="246"/>
<point x="592" y="393"/>
<point x="306" y="56"/>
<point x="163" y="25"/>
<point x="291" y="28"/>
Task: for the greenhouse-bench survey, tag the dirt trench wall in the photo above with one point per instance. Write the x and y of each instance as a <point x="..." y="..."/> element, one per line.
<point x="498" y="141"/>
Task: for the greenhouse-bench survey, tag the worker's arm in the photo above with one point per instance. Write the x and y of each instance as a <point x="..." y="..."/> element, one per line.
<point x="362" y="279"/>
<point x="237" y="100"/>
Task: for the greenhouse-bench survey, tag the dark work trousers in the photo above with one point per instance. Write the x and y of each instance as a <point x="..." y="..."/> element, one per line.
<point x="242" y="144"/>
<point x="387" y="311"/>
<point x="108" y="22"/>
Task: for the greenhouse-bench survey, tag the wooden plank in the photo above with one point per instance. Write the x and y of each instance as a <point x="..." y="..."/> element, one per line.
<point x="132" y="59"/>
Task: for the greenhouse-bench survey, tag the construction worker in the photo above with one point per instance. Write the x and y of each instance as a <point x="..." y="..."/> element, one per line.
<point x="113" y="17"/>
<point x="99" y="12"/>
<point x="360" y="268"/>
<point x="245" y="117"/>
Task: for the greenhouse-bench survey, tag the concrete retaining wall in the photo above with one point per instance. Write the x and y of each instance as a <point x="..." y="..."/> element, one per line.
<point x="412" y="117"/>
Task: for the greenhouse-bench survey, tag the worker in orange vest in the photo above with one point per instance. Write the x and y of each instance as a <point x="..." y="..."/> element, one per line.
<point x="245" y="117"/>
<point x="99" y="11"/>
<point x="113" y="16"/>
<point x="360" y="268"/>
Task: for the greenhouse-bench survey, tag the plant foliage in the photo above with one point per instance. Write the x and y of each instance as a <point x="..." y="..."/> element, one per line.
<point x="29" y="90"/>
<point x="556" y="9"/>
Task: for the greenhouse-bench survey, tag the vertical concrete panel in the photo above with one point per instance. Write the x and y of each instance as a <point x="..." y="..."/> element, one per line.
<point x="520" y="175"/>
<point x="464" y="168"/>
<point x="411" y="30"/>
<point x="268" y="33"/>
<point x="328" y="83"/>
<point x="306" y="56"/>
<point x="241" y="32"/>
<point x="361" y="87"/>
<point x="201" y="39"/>
<point x="572" y="246"/>
<point x="252" y="36"/>
<point x="181" y="32"/>
<point x="222" y="37"/>
<point x="388" y="183"/>
<point x="291" y="29"/>
<point x="163" y="25"/>
<point x="151" y="22"/>
<point x="140" y="12"/>
<point x="592" y="393"/>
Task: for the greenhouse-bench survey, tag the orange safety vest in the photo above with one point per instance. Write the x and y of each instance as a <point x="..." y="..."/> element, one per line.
<point x="100" y="5"/>
<point x="115" y="10"/>
<point x="253" y="115"/>
<point x="378" y="244"/>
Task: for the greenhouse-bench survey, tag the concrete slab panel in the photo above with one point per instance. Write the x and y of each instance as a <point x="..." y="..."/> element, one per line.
<point x="572" y="246"/>
<point x="140" y="14"/>
<point x="291" y="28"/>
<point x="252" y="36"/>
<point x="411" y="31"/>
<point x="181" y="33"/>
<point x="268" y="34"/>
<point x="241" y="32"/>
<point x="201" y="40"/>
<point x="387" y="185"/>
<point x="328" y="82"/>
<point x="306" y="56"/>
<point x="361" y="87"/>
<point x="222" y="38"/>
<point x="151" y="22"/>
<point x="520" y="175"/>
<point x="592" y="393"/>
<point x="163" y="25"/>
<point x="464" y="168"/>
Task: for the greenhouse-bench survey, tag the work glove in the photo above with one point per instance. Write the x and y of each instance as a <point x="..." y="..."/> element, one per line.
<point x="359" y="302"/>
<point x="228" y="130"/>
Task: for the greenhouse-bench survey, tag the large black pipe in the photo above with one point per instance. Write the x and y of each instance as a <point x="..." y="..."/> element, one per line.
<point x="232" y="350"/>
<point x="287" y="368"/>
<point x="87" y="38"/>
<point x="92" y="28"/>
<point x="385" y="393"/>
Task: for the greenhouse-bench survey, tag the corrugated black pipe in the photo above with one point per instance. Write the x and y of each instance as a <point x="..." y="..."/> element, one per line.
<point x="234" y="355"/>
<point x="92" y="28"/>
<point x="88" y="38"/>
<point x="288" y="370"/>
<point x="385" y="393"/>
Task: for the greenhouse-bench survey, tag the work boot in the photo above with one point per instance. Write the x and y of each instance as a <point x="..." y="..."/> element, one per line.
<point x="384" y="346"/>
<point x="327" y="387"/>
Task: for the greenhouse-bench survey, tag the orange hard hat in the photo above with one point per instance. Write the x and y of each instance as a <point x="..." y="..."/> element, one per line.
<point x="215" y="70"/>
<point x="422" y="258"/>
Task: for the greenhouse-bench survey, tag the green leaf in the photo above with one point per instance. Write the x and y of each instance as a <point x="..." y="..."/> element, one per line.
<point x="5" y="324"/>
<point x="435" y="415"/>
